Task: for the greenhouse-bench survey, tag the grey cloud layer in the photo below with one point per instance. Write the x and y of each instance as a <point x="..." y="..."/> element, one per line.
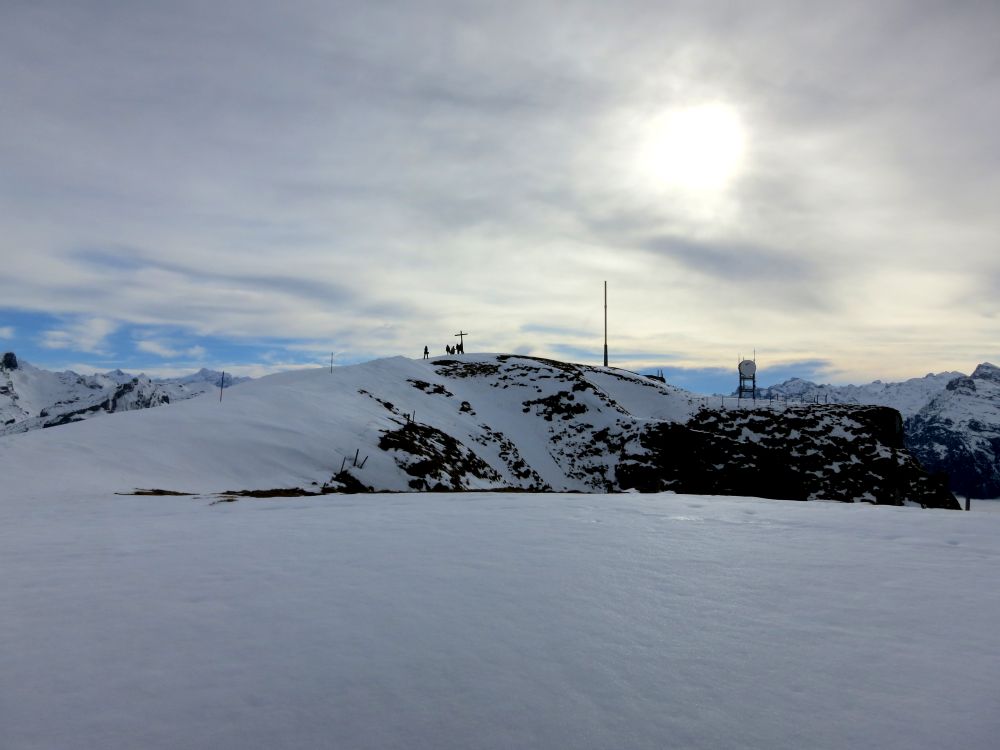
<point x="399" y="168"/>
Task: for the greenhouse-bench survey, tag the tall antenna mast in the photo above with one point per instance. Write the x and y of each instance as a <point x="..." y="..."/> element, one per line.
<point x="605" y="324"/>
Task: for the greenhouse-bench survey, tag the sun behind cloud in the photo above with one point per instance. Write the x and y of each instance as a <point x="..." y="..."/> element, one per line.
<point x="697" y="148"/>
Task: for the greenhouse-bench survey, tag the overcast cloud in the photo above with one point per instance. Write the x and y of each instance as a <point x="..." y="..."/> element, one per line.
<point x="255" y="184"/>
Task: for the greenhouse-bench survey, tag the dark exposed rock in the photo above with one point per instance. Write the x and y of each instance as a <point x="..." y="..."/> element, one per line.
<point x="343" y="483"/>
<point x="388" y="405"/>
<point x="157" y="492"/>
<point x="694" y="461"/>
<point x="962" y="384"/>
<point x="821" y="452"/>
<point x="348" y="484"/>
<point x="435" y="459"/>
<point x="511" y="456"/>
<point x="562" y="404"/>
<point x="9" y="361"/>
<point x="435" y="389"/>
<point x="454" y="369"/>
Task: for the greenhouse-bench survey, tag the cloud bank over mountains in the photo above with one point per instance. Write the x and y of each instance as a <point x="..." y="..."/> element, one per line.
<point x="263" y="186"/>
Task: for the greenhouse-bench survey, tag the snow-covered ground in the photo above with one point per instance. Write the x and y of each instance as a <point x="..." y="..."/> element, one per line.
<point x="495" y="621"/>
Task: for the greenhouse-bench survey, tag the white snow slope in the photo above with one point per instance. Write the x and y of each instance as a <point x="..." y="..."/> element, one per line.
<point x="494" y="621"/>
<point x="294" y="429"/>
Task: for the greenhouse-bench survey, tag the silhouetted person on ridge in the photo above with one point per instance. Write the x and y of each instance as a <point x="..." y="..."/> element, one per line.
<point x="427" y="352"/>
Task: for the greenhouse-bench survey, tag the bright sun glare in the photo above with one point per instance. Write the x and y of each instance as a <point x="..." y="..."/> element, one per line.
<point x="695" y="148"/>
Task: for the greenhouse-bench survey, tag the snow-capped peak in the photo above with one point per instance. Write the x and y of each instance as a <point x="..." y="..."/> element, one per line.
<point x="32" y="398"/>
<point x="987" y="371"/>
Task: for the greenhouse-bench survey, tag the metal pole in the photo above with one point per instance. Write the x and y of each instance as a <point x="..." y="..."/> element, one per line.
<point x="605" y="324"/>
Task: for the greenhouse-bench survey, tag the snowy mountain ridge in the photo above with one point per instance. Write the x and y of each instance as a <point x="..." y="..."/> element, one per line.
<point x="952" y="420"/>
<point x="33" y="398"/>
<point x="906" y="397"/>
<point x="478" y="422"/>
<point x="204" y="375"/>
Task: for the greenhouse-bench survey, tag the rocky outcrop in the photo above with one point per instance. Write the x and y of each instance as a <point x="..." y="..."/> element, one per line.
<point x="436" y="460"/>
<point x="952" y="421"/>
<point x="845" y="453"/>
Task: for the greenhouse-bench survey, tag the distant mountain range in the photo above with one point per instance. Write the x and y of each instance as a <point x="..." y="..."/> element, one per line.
<point x="32" y="398"/>
<point x="951" y="420"/>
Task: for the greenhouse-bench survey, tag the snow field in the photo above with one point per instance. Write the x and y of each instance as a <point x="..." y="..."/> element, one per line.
<point x="495" y="621"/>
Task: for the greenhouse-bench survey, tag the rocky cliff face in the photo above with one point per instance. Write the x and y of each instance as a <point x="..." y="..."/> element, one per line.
<point x="846" y="453"/>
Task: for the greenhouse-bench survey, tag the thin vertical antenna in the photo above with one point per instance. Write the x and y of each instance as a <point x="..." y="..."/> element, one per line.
<point x="222" y="382"/>
<point x="331" y="363"/>
<point x="605" y="324"/>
